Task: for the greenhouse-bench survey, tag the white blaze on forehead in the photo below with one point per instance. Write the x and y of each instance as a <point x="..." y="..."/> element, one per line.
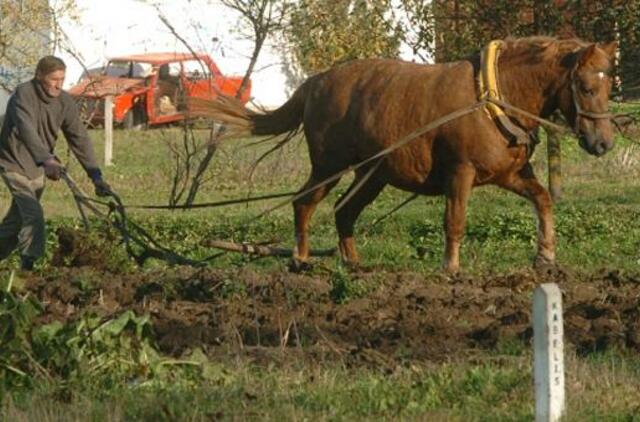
<point x="601" y="75"/>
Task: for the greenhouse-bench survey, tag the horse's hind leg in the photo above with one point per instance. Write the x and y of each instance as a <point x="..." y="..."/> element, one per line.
<point x="303" y="209"/>
<point x="348" y="213"/>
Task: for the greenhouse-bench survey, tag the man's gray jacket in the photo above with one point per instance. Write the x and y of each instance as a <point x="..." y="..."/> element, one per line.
<point x="30" y="131"/>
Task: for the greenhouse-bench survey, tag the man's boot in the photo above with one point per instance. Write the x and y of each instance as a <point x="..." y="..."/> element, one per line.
<point x="26" y="263"/>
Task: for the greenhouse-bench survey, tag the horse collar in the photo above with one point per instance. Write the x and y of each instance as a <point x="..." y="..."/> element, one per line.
<point x="489" y="90"/>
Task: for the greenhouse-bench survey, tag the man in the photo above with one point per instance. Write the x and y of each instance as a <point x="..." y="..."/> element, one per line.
<point x="36" y="112"/>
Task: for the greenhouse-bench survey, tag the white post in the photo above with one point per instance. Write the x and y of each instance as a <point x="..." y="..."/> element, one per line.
<point x="108" y="130"/>
<point x="548" y="356"/>
<point x="617" y="80"/>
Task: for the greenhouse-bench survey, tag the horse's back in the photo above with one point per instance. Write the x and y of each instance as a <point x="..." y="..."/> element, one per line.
<point x="358" y="108"/>
<point x="388" y="96"/>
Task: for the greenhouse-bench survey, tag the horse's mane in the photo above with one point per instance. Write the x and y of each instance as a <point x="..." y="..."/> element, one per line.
<point x="539" y="49"/>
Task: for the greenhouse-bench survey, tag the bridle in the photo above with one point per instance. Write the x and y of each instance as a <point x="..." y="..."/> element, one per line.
<point x="579" y="111"/>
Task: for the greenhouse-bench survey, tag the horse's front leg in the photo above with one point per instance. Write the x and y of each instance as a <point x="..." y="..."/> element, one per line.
<point x="457" y="196"/>
<point x="525" y="184"/>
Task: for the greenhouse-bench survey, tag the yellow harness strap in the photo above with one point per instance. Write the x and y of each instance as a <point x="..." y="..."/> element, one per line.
<point x="488" y="85"/>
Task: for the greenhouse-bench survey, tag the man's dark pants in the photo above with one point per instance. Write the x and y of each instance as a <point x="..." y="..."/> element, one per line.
<point x="23" y="227"/>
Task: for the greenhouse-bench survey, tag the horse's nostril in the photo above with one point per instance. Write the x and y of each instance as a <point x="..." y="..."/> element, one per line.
<point x="602" y="147"/>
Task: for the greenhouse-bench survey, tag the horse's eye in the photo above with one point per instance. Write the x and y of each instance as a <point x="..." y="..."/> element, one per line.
<point x="587" y="91"/>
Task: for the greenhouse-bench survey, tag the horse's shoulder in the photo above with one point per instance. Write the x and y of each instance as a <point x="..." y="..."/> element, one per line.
<point x="464" y="66"/>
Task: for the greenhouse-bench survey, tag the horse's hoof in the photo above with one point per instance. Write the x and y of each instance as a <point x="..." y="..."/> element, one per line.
<point x="298" y="266"/>
<point x="451" y="270"/>
<point x="543" y="264"/>
<point x="350" y="265"/>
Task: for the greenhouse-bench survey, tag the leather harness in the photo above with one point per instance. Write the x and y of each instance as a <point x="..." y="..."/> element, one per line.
<point x="488" y="84"/>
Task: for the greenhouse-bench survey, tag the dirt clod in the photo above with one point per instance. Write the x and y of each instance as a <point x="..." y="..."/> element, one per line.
<point x="405" y="317"/>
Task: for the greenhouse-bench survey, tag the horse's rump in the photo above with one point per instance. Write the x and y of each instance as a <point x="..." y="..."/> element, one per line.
<point x="358" y="108"/>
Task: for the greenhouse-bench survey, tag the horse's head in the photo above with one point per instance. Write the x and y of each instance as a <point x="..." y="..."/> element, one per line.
<point x="584" y="101"/>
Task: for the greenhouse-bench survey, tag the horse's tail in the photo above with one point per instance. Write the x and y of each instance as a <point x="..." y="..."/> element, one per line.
<point x="240" y="121"/>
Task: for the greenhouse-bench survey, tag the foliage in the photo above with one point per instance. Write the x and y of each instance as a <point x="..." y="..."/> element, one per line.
<point x="323" y="34"/>
<point x="345" y="287"/>
<point x="263" y="19"/>
<point x="453" y="29"/>
<point x="449" y="30"/>
<point x="606" y="20"/>
<point x="114" y="350"/>
<point x="92" y="346"/>
<point x="21" y="46"/>
<point x="417" y="24"/>
<point x="28" y="31"/>
<point x="96" y="352"/>
<point x="16" y="319"/>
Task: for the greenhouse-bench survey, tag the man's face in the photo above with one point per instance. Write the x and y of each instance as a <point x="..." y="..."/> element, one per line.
<point x="52" y="82"/>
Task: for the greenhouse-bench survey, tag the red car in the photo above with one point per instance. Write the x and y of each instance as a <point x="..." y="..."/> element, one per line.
<point x="151" y="89"/>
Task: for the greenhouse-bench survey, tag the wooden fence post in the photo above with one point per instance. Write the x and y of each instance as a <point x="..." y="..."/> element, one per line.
<point x="548" y="353"/>
<point x="108" y="130"/>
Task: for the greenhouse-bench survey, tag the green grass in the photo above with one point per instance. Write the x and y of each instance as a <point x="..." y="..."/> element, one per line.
<point x="598" y="226"/>
<point x="603" y="387"/>
<point x="597" y="219"/>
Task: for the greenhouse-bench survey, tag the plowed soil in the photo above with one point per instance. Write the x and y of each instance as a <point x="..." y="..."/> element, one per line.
<point x="403" y="316"/>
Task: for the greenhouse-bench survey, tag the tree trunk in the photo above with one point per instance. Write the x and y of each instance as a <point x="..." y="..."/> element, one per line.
<point x="196" y="182"/>
<point x="252" y="64"/>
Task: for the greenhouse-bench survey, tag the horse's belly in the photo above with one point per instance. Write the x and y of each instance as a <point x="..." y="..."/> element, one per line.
<point x="417" y="177"/>
<point x="429" y="186"/>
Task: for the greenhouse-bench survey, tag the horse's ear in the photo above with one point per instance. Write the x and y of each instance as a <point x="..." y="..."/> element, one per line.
<point x="609" y="48"/>
<point x="586" y="54"/>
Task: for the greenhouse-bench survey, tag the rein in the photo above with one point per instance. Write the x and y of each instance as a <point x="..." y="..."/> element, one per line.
<point x="212" y="204"/>
<point x="525" y="113"/>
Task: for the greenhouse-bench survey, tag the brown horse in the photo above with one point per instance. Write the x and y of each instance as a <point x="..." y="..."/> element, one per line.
<point x="361" y="107"/>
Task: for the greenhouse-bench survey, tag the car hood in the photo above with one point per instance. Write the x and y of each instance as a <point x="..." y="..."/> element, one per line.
<point x="100" y="86"/>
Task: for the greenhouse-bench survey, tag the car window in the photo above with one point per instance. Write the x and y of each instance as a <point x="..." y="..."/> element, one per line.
<point x="127" y="69"/>
<point x="117" y="69"/>
<point x="174" y="69"/>
<point x="141" y="70"/>
<point x="195" y="69"/>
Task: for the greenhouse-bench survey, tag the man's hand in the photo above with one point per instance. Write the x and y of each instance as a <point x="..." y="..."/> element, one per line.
<point x="102" y="188"/>
<point x="52" y="169"/>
